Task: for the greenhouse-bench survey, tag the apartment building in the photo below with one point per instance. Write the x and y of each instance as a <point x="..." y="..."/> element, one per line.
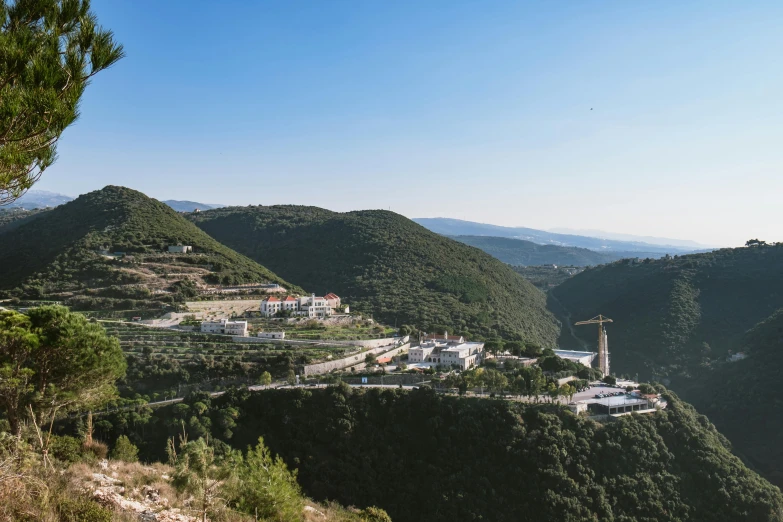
<point x="226" y="327"/>
<point x="310" y="306"/>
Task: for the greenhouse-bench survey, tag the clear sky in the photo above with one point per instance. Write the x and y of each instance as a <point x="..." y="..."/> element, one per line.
<point x="651" y="118"/>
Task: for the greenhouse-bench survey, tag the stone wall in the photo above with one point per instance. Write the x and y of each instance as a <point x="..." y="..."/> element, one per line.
<point x="355" y="360"/>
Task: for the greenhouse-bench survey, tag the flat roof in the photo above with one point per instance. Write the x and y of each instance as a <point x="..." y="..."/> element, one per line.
<point x="572" y="353"/>
<point x="622" y="400"/>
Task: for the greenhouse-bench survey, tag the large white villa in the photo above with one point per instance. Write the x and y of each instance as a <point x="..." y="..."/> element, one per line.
<point x="309" y="306"/>
<point x="450" y="351"/>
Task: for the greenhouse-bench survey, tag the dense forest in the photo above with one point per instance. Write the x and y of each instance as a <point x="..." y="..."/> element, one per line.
<point x="385" y="265"/>
<point x="424" y="456"/>
<point x="675" y="317"/>
<point x="526" y="253"/>
<point x="59" y="251"/>
<point x="737" y="397"/>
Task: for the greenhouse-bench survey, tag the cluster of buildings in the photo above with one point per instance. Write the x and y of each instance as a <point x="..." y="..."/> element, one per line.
<point x="447" y="350"/>
<point x="308" y="306"/>
<point x="226" y="327"/>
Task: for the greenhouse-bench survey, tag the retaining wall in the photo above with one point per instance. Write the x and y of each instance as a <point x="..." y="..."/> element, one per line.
<point x="355" y="360"/>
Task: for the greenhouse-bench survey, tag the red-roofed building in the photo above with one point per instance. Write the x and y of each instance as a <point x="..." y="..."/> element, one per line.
<point x="312" y="306"/>
<point x="444" y="337"/>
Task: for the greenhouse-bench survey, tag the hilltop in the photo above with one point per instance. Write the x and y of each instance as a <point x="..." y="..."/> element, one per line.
<point x="737" y="397"/>
<point x="388" y="266"/>
<point x="675" y="317"/>
<point x="111" y="245"/>
<point x="519" y="252"/>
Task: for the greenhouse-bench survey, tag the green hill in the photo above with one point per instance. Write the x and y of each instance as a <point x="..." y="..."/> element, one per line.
<point x="519" y="252"/>
<point x="386" y="265"/>
<point x="675" y="317"/>
<point x="423" y="456"/>
<point x="61" y="253"/>
<point x="739" y="398"/>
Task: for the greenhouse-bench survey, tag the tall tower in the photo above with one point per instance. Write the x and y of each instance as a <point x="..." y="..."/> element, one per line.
<point x="603" y="343"/>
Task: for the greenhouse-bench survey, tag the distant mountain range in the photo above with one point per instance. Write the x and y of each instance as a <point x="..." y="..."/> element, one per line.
<point x="43" y="199"/>
<point x="519" y="252"/>
<point x="39" y="199"/>
<point x="190" y="206"/>
<point x="619" y="248"/>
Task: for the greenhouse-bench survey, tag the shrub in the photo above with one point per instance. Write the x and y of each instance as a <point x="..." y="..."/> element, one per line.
<point x="66" y="449"/>
<point x="82" y="510"/>
<point x="125" y="450"/>
<point x="95" y="449"/>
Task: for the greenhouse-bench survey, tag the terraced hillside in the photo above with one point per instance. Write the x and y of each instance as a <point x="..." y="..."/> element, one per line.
<point x="388" y="266"/>
<point x="108" y="249"/>
<point x="168" y="363"/>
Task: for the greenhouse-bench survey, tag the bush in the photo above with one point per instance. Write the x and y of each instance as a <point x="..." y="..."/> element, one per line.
<point x="66" y="449"/>
<point x="82" y="510"/>
<point x="125" y="450"/>
<point x="374" y="514"/>
<point x="95" y="449"/>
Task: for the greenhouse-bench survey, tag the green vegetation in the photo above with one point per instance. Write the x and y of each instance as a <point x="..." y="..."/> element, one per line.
<point x="738" y="398"/>
<point x="519" y="252"/>
<point x="53" y="361"/>
<point x="14" y="217"/>
<point x="59" y="255"/>
<point x="49" y="50"/>
<point x="546" y="277"/>
<point x="163" y="363"/>
<point x="471" y="459"/>
<point x="385" y="265"/>
<point x="674" y="317"/>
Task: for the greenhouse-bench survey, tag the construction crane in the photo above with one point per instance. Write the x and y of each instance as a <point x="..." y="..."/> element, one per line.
<point x="603" y="344"/>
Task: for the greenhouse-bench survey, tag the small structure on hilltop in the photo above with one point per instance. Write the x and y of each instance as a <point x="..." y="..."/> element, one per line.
<point x="180" y="249"/>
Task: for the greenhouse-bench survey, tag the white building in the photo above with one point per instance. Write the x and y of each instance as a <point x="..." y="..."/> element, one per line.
<point x="224" y="326"/>
<point x="271" y="335"/>
<point x="585" y="358"/>
<point x="180" y="249"/>
<point x="420" y="353"/>
<point x="311" y="306"/>
<point x="448" y="352"/>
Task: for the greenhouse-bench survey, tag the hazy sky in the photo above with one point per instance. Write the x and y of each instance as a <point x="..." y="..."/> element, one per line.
<point x="464" y="109"/>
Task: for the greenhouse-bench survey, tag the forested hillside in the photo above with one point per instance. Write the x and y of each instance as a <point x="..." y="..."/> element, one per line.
<point x="422" y="456"/>
<point x="62" y="252"/>
<point x="675" y="317"/>
<point x="384" y="264"/>
<point x="526" y="253"/>
<point x="739" y="398"/>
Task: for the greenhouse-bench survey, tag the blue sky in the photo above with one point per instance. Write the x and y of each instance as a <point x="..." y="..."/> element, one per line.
<point x="464" y="109"/>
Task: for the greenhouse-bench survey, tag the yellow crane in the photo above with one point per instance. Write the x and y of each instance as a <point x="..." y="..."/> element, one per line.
<point x="603" y="344"/>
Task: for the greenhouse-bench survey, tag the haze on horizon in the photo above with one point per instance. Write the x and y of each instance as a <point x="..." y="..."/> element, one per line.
<point x="646" y="119"/>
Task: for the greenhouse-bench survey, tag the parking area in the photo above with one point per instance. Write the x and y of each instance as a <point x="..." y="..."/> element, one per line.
<point x="589" y="394"/>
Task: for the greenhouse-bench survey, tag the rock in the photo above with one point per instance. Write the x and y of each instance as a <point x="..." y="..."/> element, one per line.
<point x="104" y="480"/>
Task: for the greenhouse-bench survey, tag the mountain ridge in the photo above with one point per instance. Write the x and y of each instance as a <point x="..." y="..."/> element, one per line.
<point x="65" y="251"/>
<point x="388" y="266"/>
<point x="457" y="227"/>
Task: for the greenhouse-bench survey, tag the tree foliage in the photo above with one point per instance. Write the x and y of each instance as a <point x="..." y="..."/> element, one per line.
<point x="501" y="460"/>
<point x="49" y="51"/>
<point x="53" y="360"/>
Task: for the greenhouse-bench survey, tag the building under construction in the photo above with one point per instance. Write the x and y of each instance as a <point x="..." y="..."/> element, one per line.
<point x="603" y="342"/>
